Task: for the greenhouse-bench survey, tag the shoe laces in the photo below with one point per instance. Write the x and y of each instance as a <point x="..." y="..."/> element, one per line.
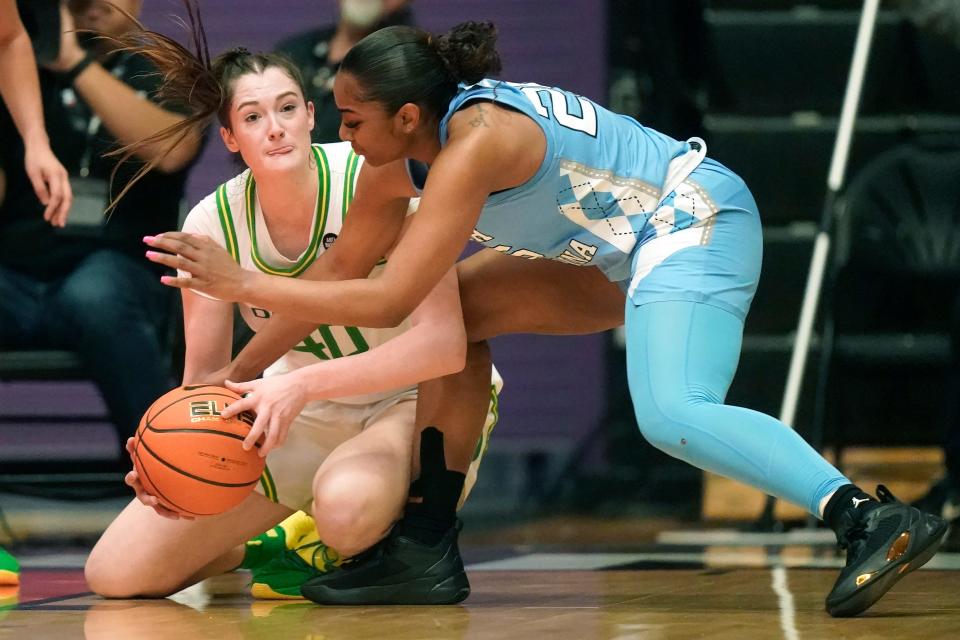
<point x="885" y="495"/>
<point x="852" y="538"/>
<point x="856" y="535"/>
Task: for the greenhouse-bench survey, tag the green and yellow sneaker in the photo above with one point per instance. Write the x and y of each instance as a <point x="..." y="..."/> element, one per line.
<point x="285" y="557"/>
<point x="9" y="569"/>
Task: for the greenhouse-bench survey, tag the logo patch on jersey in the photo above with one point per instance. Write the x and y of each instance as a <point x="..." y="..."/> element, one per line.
<point x="328" y="240"/>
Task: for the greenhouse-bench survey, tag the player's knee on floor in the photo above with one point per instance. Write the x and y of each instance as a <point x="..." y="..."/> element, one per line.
<point x="113" y="578"/>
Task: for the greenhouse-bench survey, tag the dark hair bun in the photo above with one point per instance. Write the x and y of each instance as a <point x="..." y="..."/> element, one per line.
<point x="469" y="51"/>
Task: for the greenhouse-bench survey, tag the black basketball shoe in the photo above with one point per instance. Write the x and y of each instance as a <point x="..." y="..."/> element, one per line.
<point x="884" y="540"/>
<point x="398" y="570"/>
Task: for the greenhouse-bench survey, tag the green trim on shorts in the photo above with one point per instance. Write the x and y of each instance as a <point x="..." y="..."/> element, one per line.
<point x="226" y="222"/>
<point x="484" y="442"/>
<point x="269" y="486"/>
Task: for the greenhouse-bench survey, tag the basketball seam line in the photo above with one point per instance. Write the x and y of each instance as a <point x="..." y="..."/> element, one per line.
<point x="146" y="474"/>
<point x="228" y="485"/>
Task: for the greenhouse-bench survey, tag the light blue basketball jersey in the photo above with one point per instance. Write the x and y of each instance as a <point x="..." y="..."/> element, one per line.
<point x="592" y="199"/>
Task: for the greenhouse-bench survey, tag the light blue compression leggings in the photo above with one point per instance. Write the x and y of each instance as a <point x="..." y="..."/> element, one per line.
<point x="681" y="357"/>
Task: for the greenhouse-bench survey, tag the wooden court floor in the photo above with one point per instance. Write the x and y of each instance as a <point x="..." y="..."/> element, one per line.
<point x="655" y="594"/>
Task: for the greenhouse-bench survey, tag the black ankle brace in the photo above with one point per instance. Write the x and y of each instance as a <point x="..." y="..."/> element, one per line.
<point x="432" y="510"/>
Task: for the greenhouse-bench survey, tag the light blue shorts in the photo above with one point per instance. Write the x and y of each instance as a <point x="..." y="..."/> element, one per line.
<point x="716" y="262"/>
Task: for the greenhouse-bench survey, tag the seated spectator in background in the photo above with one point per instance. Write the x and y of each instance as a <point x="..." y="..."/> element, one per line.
<point x="87" y="287"/>
<point x="318" y="53"/>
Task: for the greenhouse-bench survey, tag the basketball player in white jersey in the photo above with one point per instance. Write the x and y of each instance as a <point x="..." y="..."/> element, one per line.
<point x="341" y="445"/>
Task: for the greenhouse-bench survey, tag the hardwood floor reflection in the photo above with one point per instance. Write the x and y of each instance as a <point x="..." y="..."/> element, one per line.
<point x="558" y="605"/>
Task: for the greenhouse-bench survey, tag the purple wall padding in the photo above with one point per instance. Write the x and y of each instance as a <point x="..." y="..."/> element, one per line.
<point x="554" y="386"/>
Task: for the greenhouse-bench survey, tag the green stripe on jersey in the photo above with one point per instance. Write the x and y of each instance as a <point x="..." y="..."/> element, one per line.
<point x="349" y="180"/>
<point x="320" y="221"/>
<point x="226" y="222"/>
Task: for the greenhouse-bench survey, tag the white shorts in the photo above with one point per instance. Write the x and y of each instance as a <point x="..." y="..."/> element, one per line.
<point x="323" y="426"/>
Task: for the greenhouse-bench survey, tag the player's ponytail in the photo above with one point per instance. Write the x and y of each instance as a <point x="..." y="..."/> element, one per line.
<point x="190" y="82"/>
<point x="397" y="65"/>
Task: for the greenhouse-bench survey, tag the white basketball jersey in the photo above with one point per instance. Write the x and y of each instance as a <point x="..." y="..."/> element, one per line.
<point x="232" y="217"/>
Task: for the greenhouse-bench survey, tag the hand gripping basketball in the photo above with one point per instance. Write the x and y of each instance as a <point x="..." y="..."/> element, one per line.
<point x="190" y="458"/>
<point x="275" y="401"/>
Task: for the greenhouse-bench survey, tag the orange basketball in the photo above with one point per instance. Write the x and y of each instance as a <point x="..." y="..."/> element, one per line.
<point x="192" y="459"/>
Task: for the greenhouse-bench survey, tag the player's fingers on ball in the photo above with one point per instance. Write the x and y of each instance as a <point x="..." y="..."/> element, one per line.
<point x="272" y="434"/>
<point x="247" y="399"/>
<point x="281" y="433"/>
<point x="243" y="386"/>
<point x="236" y="407"/>
<point x="264" y="450"/>
<point x="166" y="513"/>
<point x="255" y="431"/>
<point x="233" y="409"/>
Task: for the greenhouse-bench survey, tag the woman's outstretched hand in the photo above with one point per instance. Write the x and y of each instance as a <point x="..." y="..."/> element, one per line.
<point x="211" y="269"/>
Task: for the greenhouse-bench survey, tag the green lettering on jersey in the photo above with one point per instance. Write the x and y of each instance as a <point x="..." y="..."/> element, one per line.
<point x="328" y="348"/>
<point x="357" y="339"/>
<point x="331" y="342"/>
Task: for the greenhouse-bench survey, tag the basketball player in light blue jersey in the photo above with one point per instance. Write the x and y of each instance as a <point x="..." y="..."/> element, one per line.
<point x="590" y="218"/>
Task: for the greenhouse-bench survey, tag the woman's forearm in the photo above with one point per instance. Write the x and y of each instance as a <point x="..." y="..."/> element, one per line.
<point x="408" y="359"/>
<point x="20" y="88"/>
<point x="433" y="347"/>
<point x="372" y="302"/>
